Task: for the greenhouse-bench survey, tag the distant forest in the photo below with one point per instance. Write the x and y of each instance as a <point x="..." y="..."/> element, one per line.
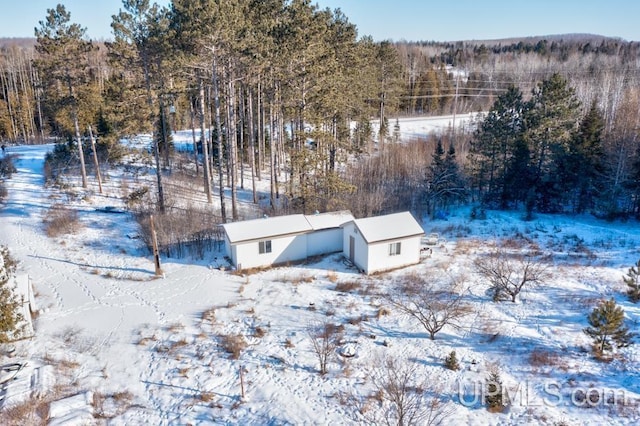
<point x="559" y="129"/>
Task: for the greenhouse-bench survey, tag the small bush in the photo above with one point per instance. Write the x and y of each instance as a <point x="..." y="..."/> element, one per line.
<point x="451" y="361"/>
<point x="61" y="220"/>
<point x="233" y="344"/>
<point x="539" y="357"/>
<point x="136" y="197"/>
<point x="178" y="344"/>
<point x="348" y="286"/>
<point x="206" y="397"/>
<point x="209" y="315"/>
<point x="382" y="312"/>
<point x="302" y="278"/>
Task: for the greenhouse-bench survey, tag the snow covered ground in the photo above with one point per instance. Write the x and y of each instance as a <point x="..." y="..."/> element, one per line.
<point x="114" y="344"/>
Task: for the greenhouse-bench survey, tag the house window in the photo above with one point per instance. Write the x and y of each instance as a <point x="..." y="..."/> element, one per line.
<point x="394" y="249"/>
<point x="264" y="246"/>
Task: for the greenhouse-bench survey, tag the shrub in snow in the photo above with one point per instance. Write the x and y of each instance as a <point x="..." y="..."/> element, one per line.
<point x="10" y="316"/>
<point x="233" y="344"/>
<point x="451" y="361"/>
<point x="607" y="326"/>
<point x="493" y="397"/>
<point x="61" y="220"/>
<point x="632" y="280"/>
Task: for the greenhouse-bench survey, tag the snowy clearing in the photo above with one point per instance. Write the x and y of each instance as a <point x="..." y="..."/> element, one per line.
<point x="116" y="344"/>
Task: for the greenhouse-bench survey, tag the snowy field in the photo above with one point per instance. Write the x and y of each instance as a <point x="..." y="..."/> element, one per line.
<point x="116" y="345"/>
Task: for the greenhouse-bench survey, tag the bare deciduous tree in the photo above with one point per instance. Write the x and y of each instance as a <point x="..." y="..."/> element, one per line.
<point x="324" y="337"/>
<point x="403" y="396"/>
<point x="431" y="305"/>
<point x="509" y="274"/>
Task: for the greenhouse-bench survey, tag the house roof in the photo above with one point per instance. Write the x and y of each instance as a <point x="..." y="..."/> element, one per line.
<point x="388" y="227"/>
<point x="329" y="220"/>
<point x="258" y="229"/>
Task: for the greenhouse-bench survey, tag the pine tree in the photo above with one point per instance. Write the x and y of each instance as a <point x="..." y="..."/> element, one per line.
<point x="582" y="166"/>
<point x="141" y="46"/>
<point x="451" y="361"/>
<point x="10" y="317"/>
<point x="632" y="280"/>
<point x="633" y="183"/>
<point x="607" y="326"/>
<point x="493" y="397"/>
<point x="444" y="184"/>
<point x="550" y="120"/>
<point x="494" y="147"/>
<point x="63" y="64"/>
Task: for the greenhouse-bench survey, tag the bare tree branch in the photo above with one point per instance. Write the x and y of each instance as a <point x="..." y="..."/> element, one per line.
<point x="431" y="305"/>
<point x="510" y="274"/>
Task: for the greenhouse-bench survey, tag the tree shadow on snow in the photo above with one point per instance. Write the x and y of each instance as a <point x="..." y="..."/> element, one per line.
<point x="86" y="265"/>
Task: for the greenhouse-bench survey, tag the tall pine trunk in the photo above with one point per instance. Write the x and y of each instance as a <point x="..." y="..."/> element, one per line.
<point x="192" y="115"/>
<point x="232" y="141"/>
<point x="252" y="144"/>
<point x="216" y="101"/>
<point x="205" y="145"/>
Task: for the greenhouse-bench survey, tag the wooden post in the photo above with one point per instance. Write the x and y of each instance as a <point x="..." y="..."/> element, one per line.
<point x="95" y="159"/>
<point x="241" y="381"/>
<point x="156" y="252"/>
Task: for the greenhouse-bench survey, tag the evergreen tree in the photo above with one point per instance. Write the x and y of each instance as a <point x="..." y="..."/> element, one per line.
<point x="582" y="166"/>
<point x="10" y="316"/>
<point x="141" y="46"/>
<point x="493" y="394"/>
<point x="550" y="119"/>
<point x="163" y="137"/>
<point x="63" y="65"/>
<point x="444" y="184"/>
<point x="606" y="326"/>
<point x="632" y="280"/>
<point x="517" y="179"/>
<point x="494" y="147"/>
<point x="388" y="73"/>
<point x="633" y="182"/>
<point x="451" y="361"/>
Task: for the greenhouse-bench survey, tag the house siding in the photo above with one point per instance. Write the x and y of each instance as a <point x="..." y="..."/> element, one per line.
<point x="284" y="249"/>
<point x="324" y="242"/>
<point x="380" y="260"/>
<point x="361" y="258"/>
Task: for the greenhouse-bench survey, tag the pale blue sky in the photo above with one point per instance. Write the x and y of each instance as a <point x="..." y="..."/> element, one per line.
<point x="441" y="20"/>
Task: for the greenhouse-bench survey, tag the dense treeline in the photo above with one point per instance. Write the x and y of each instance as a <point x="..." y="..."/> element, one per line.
<point x="260" y="78"/>
<point x="546" y="155"/>
<point x="285" y="91"/>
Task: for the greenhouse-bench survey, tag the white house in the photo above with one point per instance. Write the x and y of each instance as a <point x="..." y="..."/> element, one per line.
<point x="277" y="240"/>
<point x="382" y="243"/>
